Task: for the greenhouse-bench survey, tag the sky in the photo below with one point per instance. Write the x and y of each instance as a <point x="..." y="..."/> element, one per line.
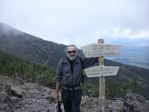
<point x="80" y="22"/>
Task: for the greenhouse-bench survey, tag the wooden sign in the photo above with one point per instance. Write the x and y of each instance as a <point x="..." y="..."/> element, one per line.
<point x="96" y="50"/>
<point x="100" y="50"/>
<point x="99" y="71"/>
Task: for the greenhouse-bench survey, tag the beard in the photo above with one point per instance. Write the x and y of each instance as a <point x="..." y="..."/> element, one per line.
<point x="72" y="57"/>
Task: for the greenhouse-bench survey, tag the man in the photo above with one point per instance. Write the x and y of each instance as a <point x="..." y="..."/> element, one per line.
<point x="69" y="78"/>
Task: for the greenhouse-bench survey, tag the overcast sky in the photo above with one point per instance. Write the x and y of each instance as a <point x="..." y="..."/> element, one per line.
<point x="80" y="22"/>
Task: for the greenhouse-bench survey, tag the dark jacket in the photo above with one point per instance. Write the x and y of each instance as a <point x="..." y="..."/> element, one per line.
<point x="71" y="80"/>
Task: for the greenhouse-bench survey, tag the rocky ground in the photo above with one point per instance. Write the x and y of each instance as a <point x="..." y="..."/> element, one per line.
<point x="17" y="95"/>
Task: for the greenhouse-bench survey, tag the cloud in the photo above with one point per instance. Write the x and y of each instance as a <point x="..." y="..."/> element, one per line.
<point x="78" y="21"/>
<point x="118" y="32"/>
<point x="142" y="34"/>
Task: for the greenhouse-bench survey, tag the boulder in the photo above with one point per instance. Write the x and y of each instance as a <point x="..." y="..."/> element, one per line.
<point x="16" y="90"/>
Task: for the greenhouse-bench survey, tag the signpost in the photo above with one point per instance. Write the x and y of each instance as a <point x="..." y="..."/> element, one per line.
<point x="96" y="50"/>
<point x="100" y="50"/>
<point x="99" y="71"/>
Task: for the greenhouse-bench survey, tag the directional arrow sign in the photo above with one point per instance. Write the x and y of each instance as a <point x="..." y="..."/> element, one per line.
<point x="96" y="50"/>
<point x="98" y="71"/>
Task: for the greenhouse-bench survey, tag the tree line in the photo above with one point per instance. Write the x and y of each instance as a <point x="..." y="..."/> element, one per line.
<point x="11" y="65"/>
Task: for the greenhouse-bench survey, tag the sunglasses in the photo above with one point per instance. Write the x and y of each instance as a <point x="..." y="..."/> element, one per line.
<point x="71" y="52"/>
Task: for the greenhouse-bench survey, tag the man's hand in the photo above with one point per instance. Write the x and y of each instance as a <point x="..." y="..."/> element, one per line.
<point x="55" y="97"/>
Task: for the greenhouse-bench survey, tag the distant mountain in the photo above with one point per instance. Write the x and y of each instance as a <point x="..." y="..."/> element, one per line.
<point x="39" y="51"/>
<point x="28" y="47"/>
<point x="134" y="55"/>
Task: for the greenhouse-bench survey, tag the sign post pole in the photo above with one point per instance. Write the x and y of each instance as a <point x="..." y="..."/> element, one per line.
<point x="101" y="81"/>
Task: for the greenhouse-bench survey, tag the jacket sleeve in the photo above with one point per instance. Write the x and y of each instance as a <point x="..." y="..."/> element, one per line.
<point x="89" y="62"/>
<point x="59" y="71"/>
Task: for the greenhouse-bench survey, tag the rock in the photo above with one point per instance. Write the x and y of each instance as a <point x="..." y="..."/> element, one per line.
<point x="16" y="90"/>
<point x="140" y="103"/>
<point x="140" y="98"/>
<point x="115" y="106"/>
<point x="3" y="106"/>
<point x="7" y="89"/>
<point x="89" y="104"/>
<point x="14" y="99"/>
<point x="3" y="96"/>
<point x="37" y="98"/>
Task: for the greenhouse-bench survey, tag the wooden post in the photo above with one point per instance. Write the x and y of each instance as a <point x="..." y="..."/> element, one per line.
<point x="101" y="80"/>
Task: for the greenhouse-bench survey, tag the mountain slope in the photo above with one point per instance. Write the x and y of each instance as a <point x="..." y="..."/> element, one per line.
<point x="28" y="47"/>
<point x="39" y="51"/>
<point x="130" y="74"/>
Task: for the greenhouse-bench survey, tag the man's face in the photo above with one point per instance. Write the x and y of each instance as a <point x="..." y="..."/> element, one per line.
<point x="71" y="53"/>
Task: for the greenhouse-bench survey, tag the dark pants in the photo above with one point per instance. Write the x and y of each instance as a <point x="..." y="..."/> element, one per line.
<point x="71" y="100"/>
